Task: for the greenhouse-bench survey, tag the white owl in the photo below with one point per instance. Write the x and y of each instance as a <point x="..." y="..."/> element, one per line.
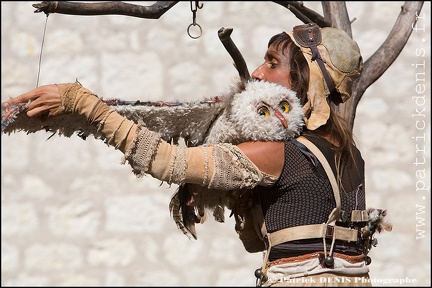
<point x="262" y="111"/>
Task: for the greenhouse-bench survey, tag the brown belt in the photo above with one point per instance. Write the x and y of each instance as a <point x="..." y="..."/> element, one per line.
<point x="304" y="257"/>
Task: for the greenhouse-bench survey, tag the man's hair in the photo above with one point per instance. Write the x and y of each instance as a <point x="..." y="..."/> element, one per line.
<point x="299" y="69"/>
<point x="299" y="77"/>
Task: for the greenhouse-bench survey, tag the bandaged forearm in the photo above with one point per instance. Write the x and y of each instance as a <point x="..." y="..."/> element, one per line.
<point x="221" y="166"/>
<point x="116" y="129"/>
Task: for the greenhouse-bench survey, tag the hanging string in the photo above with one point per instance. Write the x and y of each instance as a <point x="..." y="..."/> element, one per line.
<point x="9" y="114"/>
<point x="40" y="54"/>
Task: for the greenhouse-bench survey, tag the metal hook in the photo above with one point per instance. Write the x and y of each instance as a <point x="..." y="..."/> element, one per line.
<point x="197" y="6"/>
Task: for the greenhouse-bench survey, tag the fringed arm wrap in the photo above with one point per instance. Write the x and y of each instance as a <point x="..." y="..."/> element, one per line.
<point x="117" y="130"/>
<point x="220" y="166"/>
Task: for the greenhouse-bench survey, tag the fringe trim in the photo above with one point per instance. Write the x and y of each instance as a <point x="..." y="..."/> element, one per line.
<point x="178" y="166"/>
<point x="232" y="169"/>
<point x="69" y="95"/>
<point x="142" y="150"/>
<point x="206" y="167"/>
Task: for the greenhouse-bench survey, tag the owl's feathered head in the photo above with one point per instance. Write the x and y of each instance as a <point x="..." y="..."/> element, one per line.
<point x="266" y="111"/>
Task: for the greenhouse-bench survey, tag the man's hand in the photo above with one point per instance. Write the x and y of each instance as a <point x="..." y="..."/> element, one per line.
<point x="44" y="100"/>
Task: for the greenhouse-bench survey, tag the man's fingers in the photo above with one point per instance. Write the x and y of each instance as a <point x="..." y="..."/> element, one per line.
<point x="42" y="109"/>
<point x="42" y="100"/>
<point x="37" y="111"/>
<point x="24" y="98"/>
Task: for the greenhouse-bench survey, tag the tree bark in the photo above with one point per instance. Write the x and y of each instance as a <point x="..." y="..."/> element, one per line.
<point x="383" y="58"/>
<point x="154" y="11"/>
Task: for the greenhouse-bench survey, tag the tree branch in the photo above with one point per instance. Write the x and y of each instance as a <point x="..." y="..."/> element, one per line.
<point x="336" y="13"/>
<point x="303" y="13"/>
<point x="239" y="62"/>
<point x="154" y="11"/>
<point x="384" y="57"/>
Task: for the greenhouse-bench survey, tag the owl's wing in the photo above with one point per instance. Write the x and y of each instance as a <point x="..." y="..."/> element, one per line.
<point x="173" y="120"/>
<point x="206" y="202"/>
<point x="176" y="120"/>
<point x="180" y="212"/>
<point x="239" y="122"/>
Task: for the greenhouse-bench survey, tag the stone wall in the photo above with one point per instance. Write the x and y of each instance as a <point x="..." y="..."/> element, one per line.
<point x="73" y="216"/>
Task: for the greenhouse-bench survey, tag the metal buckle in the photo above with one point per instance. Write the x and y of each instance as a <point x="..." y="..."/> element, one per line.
<point x="329" y="231"/>
<point x="307" y="35"/>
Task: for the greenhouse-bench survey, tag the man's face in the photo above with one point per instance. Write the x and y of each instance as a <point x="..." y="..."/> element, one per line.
<point x="274" y="69"/>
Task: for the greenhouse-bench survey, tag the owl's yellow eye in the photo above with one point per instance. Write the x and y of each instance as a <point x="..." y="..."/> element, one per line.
<point x="263" y="111"/>
<point x="284" y="106"/>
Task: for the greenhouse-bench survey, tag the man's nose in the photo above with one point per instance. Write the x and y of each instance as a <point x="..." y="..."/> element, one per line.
<point x="258" y="74"/>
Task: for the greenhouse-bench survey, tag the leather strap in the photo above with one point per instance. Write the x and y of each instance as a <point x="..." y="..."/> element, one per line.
<point x="309" y="36"/>
<point x="359" y="216"/>
<point x="312" y="231"/>
<point x="327" y="169"/>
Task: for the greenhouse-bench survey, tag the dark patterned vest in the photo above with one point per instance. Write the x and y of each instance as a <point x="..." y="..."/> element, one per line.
<point x="303" y="195"/>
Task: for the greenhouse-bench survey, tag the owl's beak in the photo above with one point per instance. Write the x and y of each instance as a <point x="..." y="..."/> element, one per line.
<point x="281" y="118"/>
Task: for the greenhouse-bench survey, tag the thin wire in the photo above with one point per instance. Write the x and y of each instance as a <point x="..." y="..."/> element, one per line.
<point x="40" y="55"/>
